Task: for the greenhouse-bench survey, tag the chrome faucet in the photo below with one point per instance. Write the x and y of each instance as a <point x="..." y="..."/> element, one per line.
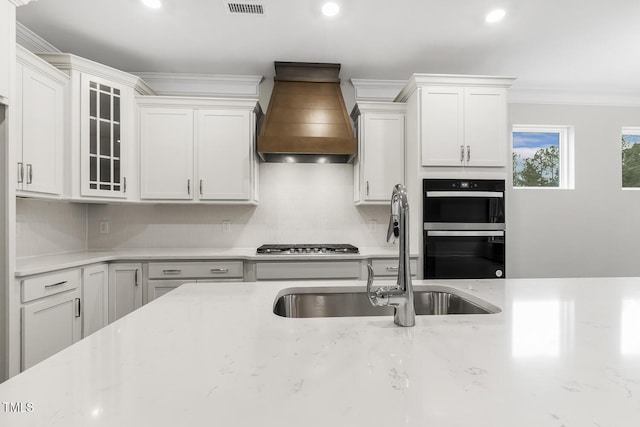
<point x="399" y="296"/>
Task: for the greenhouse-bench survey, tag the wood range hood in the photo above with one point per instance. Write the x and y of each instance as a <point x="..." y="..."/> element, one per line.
<point x="307" y="120"/>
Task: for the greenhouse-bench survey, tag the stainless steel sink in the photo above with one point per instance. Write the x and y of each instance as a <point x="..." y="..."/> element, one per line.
<point x="352" y="301"/>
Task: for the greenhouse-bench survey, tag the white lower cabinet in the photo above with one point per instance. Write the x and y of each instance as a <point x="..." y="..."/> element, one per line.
<point x="125" y="289"/>
<point x="166" y="276"/>
<point x="95" y="298"/>
<point x="389" y="267"/>
<point x="157" y="288"/>
<point x="51" y="317"/>
<point x="295" y="270"/>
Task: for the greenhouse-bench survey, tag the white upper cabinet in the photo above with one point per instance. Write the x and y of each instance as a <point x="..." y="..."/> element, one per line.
<point x="197" y="149"/>
<point x="41" y="118"/>
<point x="102" y="155"/>
<point x="7" y="41"/>
<point x="166" y="144"/>
<point x="485" y="126"/>
<point x="103" y="148"/>
<point x="442" y="126"/>
<point x="381" y="148"/>
<point x="462" y="120"/>
<point x="464" y="126"/>
<point x="225" y="154"/>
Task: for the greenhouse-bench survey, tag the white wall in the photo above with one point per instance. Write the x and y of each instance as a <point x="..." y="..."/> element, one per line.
<point x="592" y="230"/>
<point x="49" y="227"/>
<point x="299" y="203"/>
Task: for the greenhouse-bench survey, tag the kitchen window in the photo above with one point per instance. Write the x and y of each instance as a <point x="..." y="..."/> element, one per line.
<point x="542" y="156"/>
<point x="630" y="157"/>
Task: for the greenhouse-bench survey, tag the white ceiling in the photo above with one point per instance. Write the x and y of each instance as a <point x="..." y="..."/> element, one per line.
<point x="582" y="45"/>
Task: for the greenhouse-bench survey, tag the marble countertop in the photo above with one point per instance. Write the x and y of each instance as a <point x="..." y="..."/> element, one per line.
<point x="42" y="264"/>
<point x="563" y="352"/>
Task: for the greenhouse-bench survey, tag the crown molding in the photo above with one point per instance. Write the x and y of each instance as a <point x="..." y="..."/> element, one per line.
<point x="377" y="90"/>
<point x="197" y="101"/>
<point x="28" y="59"/>
<point x="68" y="62"/>
<point x="206" y="85"/>
<point x="33" y="42"/>
<point x="419" y="80"/>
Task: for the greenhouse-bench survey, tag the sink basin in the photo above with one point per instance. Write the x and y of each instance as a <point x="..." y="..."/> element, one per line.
<point x="352" y="301"/>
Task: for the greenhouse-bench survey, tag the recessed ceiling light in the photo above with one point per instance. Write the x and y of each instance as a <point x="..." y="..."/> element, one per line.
<point x="330" y="9"/>
<point x="153" y="4"/>
<point x="495" y="15"/>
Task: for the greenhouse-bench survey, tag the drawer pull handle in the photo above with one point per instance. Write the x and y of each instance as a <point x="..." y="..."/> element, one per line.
<point x="392" y="268"/>
<point x="55" y="284"/>
<point x="175" y="271"/>
<point x="78" y="307"/>
<point x="219" y="270"/>
<point x="20" y="172"/>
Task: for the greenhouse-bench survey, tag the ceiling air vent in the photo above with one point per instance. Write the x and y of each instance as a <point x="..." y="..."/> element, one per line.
<point x="245" y="8"/>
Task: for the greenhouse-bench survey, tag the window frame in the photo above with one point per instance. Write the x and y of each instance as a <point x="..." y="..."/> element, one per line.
<point x="627" y="130"/>
<point x="566" y="153"/>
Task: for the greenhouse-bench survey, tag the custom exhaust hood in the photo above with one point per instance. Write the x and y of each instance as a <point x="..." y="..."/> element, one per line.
<point x="307" y="120"/>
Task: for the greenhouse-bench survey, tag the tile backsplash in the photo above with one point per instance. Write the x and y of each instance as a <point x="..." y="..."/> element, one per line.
<point x="49" y="227"/>
<point x="298" y="203"/>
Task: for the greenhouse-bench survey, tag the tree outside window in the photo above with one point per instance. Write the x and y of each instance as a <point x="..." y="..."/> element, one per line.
<point x="541" y="157"/>
<point x="630" y="157"/>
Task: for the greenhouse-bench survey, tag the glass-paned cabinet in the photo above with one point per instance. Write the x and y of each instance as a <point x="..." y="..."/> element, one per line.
<point x="104" y="137"/>
<point x="102" y="147"/>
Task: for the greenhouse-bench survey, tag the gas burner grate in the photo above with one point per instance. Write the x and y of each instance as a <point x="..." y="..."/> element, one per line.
<point x="307" y="248"/>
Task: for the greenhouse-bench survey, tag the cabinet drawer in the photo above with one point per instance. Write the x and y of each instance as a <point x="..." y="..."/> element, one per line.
<point x="49" y="284"/>
<point x="389" y="267"/>
<point x="308" y="270"/>
<point x="196" y="270"/>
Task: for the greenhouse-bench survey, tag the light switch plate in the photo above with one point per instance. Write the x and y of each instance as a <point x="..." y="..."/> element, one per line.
<point x="104" y="227"/>
<point x="226" y="226"/>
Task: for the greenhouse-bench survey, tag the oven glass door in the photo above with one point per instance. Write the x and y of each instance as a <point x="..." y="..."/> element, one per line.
<point x="468" y="207"/>
<point x="464" y="254"/>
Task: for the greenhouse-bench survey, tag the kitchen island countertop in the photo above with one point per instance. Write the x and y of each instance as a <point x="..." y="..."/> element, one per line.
<point x="561" y="352"/>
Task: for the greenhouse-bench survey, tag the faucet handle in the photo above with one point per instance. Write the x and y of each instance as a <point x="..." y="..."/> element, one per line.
<point x="378" y="297"/>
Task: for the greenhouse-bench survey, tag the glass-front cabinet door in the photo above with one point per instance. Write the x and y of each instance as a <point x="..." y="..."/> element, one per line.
<point x="102" y="146"/>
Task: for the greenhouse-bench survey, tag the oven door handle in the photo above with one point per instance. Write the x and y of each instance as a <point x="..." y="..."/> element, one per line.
<point x="485" y="194"/>
<point x="462" y="233"/>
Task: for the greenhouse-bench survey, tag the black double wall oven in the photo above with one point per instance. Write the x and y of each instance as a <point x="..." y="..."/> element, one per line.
<point x="464" y="229"/>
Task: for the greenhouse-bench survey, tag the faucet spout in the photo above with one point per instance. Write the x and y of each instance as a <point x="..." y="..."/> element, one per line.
<point x="399" y="296"/>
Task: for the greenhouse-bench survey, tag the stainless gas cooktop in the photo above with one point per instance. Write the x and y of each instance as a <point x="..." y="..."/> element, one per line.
<point x="321" y="248"/>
